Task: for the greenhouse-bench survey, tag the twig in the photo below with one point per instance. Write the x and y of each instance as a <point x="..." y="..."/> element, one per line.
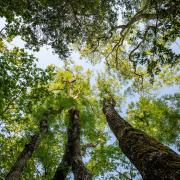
<point x="86" y="146"/>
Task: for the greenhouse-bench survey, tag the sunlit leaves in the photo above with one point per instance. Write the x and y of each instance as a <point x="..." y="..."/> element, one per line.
<point x="19" y="76"/>
<point x="155" y="117"/>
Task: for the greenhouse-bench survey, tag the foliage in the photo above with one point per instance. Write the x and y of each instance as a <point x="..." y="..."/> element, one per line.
<point x="107" y="162"/>
<point x="142" y="41"/>
<point x="157" y="117"/>
<point x="58" y="23"/>
<point x="20" y="77"/>
<point x="134" y="39"/>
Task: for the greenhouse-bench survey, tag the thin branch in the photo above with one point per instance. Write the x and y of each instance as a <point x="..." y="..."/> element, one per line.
<point x="140" y="15"/>
<point x="86" y="146"/>
<point x="137" y="17"/>
<point x="77" y="95"/>
<point x="139" y="44"/>
<point x="1" y="32"/>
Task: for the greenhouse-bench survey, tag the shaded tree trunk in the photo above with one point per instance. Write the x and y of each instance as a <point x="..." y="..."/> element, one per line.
<point x="25" y="155"/>
<point x="72" y="156"/>
<point x="65" y="165"/>
<point x="153" y="159"/>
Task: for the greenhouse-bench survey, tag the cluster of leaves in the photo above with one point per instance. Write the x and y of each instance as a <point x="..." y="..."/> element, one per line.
<point x="19" y="77"/>
<point x="157" y="117"/>
<point x="58" y="23"/>
<point x="74" y="83"/>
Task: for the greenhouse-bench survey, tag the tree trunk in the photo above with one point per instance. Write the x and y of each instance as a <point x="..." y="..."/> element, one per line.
<point x="72" y="156"/>
<point x="25" y="155"/>
<point x="153" y="159"/>
<point x="64" y="167"/>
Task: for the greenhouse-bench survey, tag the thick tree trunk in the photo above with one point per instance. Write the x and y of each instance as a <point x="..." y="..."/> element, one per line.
<point x="151" y="158"/>
<point x="25" y="155"/>
<point x="78" y="167"/>
<point x="64" y="167"/>
<point x="72" y="156"/>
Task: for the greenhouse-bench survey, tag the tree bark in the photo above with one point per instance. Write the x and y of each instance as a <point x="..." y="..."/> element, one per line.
<point x="25" y="155"/>
<point x="72" y="156"/>
<point x="64" y="167"/>
<point x="153" y="159"/>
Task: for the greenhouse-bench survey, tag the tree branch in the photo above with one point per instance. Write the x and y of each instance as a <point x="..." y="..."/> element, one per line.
<point x="86" y="146"/>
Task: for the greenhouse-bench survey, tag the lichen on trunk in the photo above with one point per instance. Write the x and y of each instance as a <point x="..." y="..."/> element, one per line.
<point x="153" y="159"/>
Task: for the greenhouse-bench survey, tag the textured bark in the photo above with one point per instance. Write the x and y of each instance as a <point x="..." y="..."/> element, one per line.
<point x="72" y="156"/>
<point x="153" y="159"/>
<point x="25" y="155"/>
<point x="64" y="167"/>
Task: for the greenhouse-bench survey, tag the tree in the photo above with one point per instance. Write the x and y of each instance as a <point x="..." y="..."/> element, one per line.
<point x="151" y="158"/>
<point x="72" y="156"/>
<point x="29" y="148"/>
<point x="20" y="79"/>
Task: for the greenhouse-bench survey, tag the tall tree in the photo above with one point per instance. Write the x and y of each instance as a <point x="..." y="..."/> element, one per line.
<point x="23" y="89"/>
<point x="44" y="115"/>
<point x="152" y="159"/>
<point x="72" y="156"/>
<point x="25" y="155"/>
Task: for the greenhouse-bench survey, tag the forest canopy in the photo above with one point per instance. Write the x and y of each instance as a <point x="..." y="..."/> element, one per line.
<point x="76" y="122"/>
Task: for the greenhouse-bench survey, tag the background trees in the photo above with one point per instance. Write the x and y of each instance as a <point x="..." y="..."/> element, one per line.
<point x="136" y="43"/>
